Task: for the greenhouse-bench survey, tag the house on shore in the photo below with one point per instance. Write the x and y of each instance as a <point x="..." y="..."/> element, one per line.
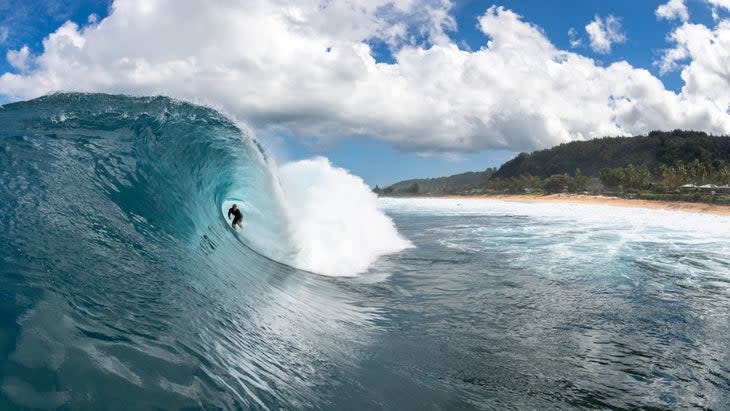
<point x="707" y="188"/>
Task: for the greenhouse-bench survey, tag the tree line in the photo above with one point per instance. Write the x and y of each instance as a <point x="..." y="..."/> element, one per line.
<point x="592" y="156"/>
<point x="631" y="178"/>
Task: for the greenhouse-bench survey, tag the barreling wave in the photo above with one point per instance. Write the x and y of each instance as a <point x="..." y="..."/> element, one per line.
<point x="172" y="166"/>
<point x="117" y="264"/>
<point x="163" y="165"/>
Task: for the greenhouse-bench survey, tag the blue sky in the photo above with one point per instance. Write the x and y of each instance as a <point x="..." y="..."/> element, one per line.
<point x="29" y="22"/>
<point x="422" y="134"/>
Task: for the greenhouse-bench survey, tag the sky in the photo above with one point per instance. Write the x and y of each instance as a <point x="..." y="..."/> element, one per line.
<point x="391" y="89"/>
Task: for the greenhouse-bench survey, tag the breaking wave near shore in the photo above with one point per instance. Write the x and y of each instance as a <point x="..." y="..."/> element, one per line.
<point x="119" y="266"/>
<point x="167" y="165"/>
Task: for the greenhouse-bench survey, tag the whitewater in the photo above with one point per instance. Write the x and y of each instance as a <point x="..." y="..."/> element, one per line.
<point x="122" y="286"/>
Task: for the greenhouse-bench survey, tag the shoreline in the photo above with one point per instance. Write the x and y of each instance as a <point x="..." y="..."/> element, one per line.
<point x="685" y="206"/>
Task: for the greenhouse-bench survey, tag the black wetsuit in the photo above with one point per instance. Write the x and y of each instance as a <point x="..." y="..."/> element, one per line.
<point x="237" y="216"/>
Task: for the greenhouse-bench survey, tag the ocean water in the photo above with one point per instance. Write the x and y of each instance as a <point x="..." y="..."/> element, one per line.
<point x="122" y="286"/>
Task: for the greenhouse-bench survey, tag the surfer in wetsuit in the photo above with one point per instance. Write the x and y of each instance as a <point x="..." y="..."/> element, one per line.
<point x="237" y="216"/>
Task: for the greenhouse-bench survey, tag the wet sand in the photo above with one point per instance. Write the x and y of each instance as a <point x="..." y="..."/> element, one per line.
<point x="603" y="200"/>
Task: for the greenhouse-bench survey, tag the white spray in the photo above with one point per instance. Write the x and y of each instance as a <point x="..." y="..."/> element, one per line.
<point x="336" y="224"/>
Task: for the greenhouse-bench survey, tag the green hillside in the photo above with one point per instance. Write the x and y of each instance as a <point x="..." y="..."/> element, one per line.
<point x="676" y="165"/>
<point x="439" y="185"/>
<point x="592" y="156"/>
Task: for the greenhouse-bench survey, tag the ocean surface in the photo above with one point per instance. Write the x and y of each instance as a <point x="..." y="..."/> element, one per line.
<point x="123" y="287"/>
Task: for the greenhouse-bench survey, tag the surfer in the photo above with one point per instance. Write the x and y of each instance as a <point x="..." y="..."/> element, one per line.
<point x="237" y="216"/>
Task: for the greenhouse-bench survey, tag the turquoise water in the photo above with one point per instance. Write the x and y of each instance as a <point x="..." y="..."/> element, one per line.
<point x="122" y="287"/>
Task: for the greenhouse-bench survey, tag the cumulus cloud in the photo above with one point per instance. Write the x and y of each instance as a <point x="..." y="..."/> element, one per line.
<point x="674" y="9"/>
<point x="306" y="69"/>
<point x="604" y="32"/>
<point x="703" y="53"/>
<point x="19" y="58"/>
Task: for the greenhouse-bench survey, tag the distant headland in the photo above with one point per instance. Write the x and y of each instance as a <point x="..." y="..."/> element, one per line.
<point x="675" y="166"/>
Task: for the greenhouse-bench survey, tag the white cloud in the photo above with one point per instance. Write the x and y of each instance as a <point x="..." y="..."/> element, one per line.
<point x="574" y="38"/>
<point x="705" y="53"/>
<point x="19" y="58"/>
<point x="718" y="5"/>
<point x="672" y="10"/>
<point x="725" y="4"/>
<point x="603" y="33"/>
<point x="443" y="155"/>
<point x="4" y="33"/>
<point x="305" y="69"/>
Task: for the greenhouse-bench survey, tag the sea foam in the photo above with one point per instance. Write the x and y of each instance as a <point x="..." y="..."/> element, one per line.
<point x="336" y="224"/>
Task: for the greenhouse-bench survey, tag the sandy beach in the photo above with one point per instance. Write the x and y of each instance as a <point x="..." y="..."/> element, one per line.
<point x="604" y="200"/>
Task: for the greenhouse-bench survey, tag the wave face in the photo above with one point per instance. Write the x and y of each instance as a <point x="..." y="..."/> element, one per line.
<point x="161" y="165"/>
<point x="121" y="281"/>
